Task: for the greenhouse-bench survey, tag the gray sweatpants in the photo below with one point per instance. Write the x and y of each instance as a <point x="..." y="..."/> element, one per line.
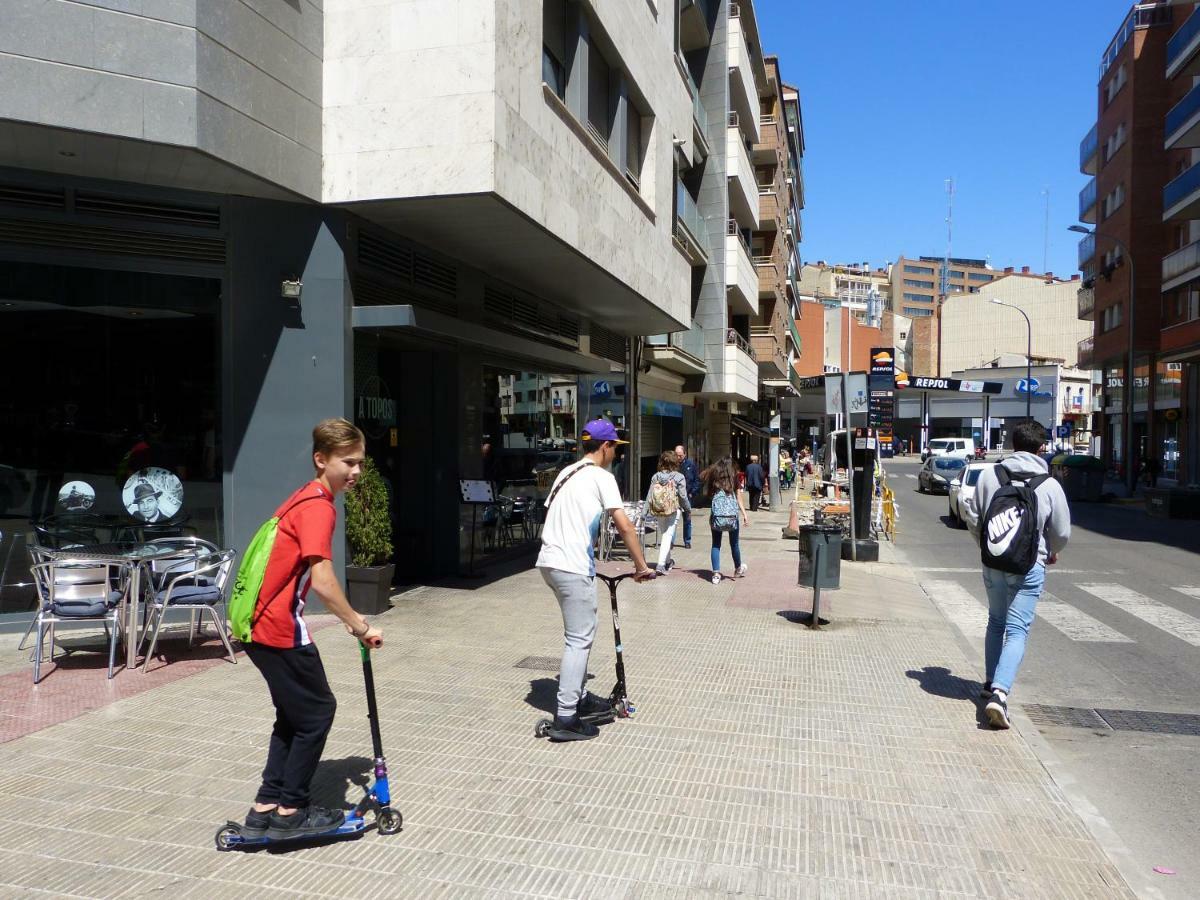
<point x="577" y="599"/>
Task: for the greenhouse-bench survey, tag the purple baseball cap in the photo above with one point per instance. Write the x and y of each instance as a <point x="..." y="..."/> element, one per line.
<point x="601" y="430"/>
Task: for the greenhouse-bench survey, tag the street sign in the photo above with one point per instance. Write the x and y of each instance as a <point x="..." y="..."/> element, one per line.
<point x="1063" y="430"/>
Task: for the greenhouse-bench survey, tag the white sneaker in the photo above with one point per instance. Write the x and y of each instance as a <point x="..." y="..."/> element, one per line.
<point x="716" y="578"/>
<point x="742" y="570"/>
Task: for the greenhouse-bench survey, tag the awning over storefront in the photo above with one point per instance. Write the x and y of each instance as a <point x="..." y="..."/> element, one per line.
<point x="749" y="427"/>
<point x="430" y="324"/>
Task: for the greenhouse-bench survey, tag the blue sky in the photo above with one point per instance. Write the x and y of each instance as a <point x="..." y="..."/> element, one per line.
<point x="899" y="96"/>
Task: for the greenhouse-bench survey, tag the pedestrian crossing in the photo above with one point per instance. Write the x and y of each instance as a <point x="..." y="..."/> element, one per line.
<point x="966" y="609"/>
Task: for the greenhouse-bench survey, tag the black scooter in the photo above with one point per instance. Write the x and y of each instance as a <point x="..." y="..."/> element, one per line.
<point x="619" y="706"/>
<point x="229" y="836"/>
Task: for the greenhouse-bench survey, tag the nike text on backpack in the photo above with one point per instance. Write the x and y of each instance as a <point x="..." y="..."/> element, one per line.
<point x="1008" y="532"/>
<point x="664" y="498"/>
<point x="250" y="575"/>
<point x="724" y="515"/>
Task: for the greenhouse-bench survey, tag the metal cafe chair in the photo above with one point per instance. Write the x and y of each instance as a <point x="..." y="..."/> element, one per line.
<point x="37" y="554"/>
<point x="78" y="590"/>
<point x="195" y="584"/>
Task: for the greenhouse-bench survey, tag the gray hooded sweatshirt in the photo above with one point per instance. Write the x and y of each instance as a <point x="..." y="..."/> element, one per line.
<point x="1054" y="515"/>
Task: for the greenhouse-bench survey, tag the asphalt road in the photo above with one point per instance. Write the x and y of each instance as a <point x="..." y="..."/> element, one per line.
<point x="1118" y="630"/>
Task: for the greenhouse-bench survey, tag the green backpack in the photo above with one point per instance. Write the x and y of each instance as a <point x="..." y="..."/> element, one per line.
<point x="250" y="574"/>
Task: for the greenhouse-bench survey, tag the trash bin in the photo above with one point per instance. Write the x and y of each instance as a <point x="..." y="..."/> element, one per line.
<point x="1082" y="477"/>
<point x="829" y="539"/>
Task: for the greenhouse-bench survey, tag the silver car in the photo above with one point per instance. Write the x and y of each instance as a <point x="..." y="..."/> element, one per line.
<point x="963" y="512"/>
<point x="937" y="473"/>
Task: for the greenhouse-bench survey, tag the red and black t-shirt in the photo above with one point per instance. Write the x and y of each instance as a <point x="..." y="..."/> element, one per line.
<point x="305" y="532"/>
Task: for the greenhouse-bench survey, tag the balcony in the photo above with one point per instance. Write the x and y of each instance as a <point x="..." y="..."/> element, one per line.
<point x="794" y="334"/>
<point x="691" y="231"/>
<point x="1183" y="121"/>
<point x="743" y="189"/>
<point x="1087" y="250"/>
<point x="1085" y="353"/>
<point x="699" y="115"/>
<point x="1182" y="55"/>
<point x="768" y="343"/>
<point x="741" y="278"/>
<point x="770" y="209"/>
<point x="768" y="148"/>
<point x="1089" y="152"/>
<point x="1181" y="196"/>
<point x="1181" y="266"/>
<point x="693" y="25"/>
<point x="769" y="282"/>
<point x="1087" y="202"/>
<point x="1086" y="300"/>
<point x="743" y="88"/>
<point x="681" y="353"/>
<point x="740" y="378"/>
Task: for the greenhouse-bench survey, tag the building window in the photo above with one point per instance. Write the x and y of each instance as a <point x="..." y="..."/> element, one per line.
<point x="912" y="282"/>
<point x="633" y="143"/>
<point x="954" y="274"/>
<point x="918" y="298"/>
<point x="978" y="276"/>
<point x="1114" y="85"/>
<point x="1114" y="200"/>
<point x="917" y="312"/>
<point x="1114" y="142"/>
<point x="554" y="46"/>
<point x="918" y="270"/>
<point x="599" y="95"/>
<point x="1111" y="317"/>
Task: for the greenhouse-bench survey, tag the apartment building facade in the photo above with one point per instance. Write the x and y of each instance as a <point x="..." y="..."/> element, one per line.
<point x="917" y="284"/>
<point x="228" y="221"/>
<point x="1133" y="205"/>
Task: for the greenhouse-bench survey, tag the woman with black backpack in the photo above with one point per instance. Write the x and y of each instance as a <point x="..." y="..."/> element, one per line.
<point x="726" y="514"/>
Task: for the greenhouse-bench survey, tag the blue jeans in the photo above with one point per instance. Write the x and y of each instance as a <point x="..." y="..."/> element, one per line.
<point x="687" y="527"/>
<point x="733" y="548"/>
<point x="1012" y="601"/>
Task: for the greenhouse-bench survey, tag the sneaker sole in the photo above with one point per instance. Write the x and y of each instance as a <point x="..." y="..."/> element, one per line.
<point x="996" y="717"/>
<point x="309" y="831"/>
<point x="560" y="737"/>
<point x="253" y="834"/>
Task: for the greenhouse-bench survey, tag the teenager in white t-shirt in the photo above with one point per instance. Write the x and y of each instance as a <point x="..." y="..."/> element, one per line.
<point x="576" y="505"/>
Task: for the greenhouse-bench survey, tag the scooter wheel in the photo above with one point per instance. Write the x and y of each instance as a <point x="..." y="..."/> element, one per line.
<point x="225" y="835"/>
<point x="389" y="821"/>
<point x="542" y="728"/>
<point x="623" y="709"/>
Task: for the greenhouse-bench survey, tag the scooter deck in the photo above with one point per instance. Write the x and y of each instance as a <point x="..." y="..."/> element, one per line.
<point x="235" y="840"/>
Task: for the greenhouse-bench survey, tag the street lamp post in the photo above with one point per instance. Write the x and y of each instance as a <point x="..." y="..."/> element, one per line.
<point x="1127" y="392"/>
<point x="1028" y="357"/>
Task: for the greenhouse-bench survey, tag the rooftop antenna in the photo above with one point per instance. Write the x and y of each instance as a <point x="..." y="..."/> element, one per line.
<point x="944" y="287"/>
<point x="1046" y="232"/>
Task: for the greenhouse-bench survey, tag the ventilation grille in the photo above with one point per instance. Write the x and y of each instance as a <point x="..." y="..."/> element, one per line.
<point x="123" y="241"/>
<point x="385" y="256"/>
<point x="421" y="279"/>
<point x="147" y="210"/>
<point x="32" y="198"/>
<point x="515" y="312"/>
<point x="607" y="344"/>
<point x="370" y="291"/>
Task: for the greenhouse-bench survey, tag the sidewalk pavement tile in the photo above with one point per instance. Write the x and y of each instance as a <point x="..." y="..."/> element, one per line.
<point x="765" y="760"/>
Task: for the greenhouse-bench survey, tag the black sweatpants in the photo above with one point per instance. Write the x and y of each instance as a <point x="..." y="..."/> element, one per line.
<point x="755" y="497"/>
<point x="304" y="708"/>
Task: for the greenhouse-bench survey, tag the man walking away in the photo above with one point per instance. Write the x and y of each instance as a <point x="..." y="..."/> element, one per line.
<point x="581" y="495"/>
<point x="691" y="478"/>
<point x="1024" y="526"/>
<point x="755" y="478"/>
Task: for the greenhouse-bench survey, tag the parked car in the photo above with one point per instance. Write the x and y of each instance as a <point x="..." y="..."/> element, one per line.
<point x="960" y="447"/>
<point x="553" y="459"/>
<point x="937" y="473"/>
<point x="962" y="496"/>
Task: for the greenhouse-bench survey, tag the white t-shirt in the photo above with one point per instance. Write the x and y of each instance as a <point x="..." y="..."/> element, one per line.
<point x="573" y="520"/>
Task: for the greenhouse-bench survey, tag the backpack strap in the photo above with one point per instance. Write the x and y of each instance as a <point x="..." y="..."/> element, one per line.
<point x="1002" y="475"/>
<point x="579" y="468"/>
<point x="1035" y="482"/>
<point x="278" y="519"/>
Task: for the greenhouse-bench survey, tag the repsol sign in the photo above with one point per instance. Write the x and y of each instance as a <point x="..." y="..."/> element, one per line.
<point x="935" y="384"/>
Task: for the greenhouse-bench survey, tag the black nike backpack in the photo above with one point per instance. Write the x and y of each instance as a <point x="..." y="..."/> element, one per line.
<point x="1008" y="532"/>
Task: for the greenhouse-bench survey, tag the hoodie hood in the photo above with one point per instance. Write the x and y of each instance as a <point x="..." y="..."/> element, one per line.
<point x="1027" y="465"/>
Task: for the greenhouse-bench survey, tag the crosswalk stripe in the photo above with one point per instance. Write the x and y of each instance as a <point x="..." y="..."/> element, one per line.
<point x="959" y="606"/>
<point x="1076" y="624"/>
<point x="1190" y="590"/>
<point x="1169" y="619"/>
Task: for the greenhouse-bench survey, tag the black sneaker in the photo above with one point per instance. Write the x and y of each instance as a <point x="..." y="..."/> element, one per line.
<point x="593" y="707"/>
<point x="572" y="729"/>
<point x="309" y="821"/>
<point x="256" y="824"/>
<point x="687" y="545"/>
<point x="997" y="711"/>
<point x="985" y="691"/>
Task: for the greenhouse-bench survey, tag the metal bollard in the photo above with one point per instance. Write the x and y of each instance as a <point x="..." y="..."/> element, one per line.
<point x="815" y="624"/>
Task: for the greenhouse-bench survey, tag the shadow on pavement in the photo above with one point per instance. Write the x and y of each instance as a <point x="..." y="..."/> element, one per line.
<point x="800" y="617"/>
<point x="941" y="682"/>
<point x="543" y="693"/>
<point x="340" y="783"/>
<point x="1135" y="524"/>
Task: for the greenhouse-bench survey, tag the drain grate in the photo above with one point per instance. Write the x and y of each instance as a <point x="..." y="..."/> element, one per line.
<point x="1141" y="720"/>
<point x="546" y="663"/>
<point x="1070" y="716"/>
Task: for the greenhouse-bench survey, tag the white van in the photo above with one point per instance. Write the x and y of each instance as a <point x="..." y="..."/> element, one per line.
<point x="960" y="447"/>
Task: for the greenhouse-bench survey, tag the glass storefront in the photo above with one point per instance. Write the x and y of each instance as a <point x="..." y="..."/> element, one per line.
<point x="1141" y="382"/>
<point x="112" y="418"/>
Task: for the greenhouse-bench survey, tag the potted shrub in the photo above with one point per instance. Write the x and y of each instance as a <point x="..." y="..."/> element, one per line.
<point x="369" y="570"/>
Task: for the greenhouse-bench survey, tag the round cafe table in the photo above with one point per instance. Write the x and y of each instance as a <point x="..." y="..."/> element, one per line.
<point x="135" y="556"/>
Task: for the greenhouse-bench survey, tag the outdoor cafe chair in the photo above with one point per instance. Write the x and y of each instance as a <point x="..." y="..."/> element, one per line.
<point x="195" y="584"/>
<point x="37" y="554"/>
<point x="78" y="590"/>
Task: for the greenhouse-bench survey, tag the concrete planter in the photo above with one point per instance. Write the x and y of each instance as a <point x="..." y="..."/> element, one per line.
<point x="369" y="588"/>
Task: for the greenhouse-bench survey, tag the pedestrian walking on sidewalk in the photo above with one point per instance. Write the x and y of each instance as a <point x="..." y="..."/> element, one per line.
<point x="726" y="515"/>
<point x="667" y="501"/>
<point x="691" y="477"/>
<point x="581" y="495"/>
<point x="282" y="649"/>
<point x="755" y="481"/>
<point x="1025" y="524"/>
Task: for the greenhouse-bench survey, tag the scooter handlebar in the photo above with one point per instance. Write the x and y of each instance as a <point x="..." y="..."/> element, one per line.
<point x="613" y="580"/>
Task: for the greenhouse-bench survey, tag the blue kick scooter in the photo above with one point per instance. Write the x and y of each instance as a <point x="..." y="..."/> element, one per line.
<point x="389" y="821"/>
